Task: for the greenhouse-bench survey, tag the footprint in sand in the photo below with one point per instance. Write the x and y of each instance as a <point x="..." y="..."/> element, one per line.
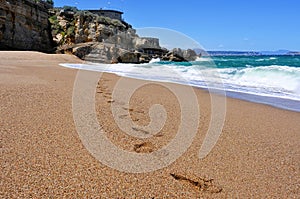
<point x="129" y="109"/>
<point x="140" y="130"/>
<point x="203" y="184"/>
<point x="145" y="147"/>
<point x="123" y="116"/>
<point x="110" y="101"/>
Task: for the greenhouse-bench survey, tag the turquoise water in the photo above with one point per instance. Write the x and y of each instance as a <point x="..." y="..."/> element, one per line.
<point x="256" y="61"/>
<point x="272" y="80"/>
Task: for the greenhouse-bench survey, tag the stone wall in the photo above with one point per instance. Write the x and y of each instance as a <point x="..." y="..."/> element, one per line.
<point x="113" y="14"/>
<point x="24" y="26"/>
<point x="147" y="42"/>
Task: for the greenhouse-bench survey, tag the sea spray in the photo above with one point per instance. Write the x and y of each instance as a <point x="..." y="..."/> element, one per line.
<point x="268" y="77"/>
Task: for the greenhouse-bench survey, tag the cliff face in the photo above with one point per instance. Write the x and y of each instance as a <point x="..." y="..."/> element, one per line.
<point x="96" y="38"/>
<point x="36" y="25"/>
<point x="73" y="27"/>
<point x="24" y="25"/>
<point x="101" y="39"/>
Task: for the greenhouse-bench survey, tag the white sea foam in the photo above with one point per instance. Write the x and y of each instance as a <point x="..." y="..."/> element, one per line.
<point x="274" y="81"/>
<point x="281" y="78"/>
<point x="199" y="59"/>
<point x="154" y="60"/>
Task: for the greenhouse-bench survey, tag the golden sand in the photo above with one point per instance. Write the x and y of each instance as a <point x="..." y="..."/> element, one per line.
<point x="256" y="156"/>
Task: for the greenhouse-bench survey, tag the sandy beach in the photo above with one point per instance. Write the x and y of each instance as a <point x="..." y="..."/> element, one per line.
<point x="42" y="155"/>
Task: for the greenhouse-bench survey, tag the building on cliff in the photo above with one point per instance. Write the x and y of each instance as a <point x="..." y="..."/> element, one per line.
<point x="113" y="14"/>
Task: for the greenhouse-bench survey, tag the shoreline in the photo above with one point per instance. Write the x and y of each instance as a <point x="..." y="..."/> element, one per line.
<point x="257" y="154"/>
<point x="277" y="102"/>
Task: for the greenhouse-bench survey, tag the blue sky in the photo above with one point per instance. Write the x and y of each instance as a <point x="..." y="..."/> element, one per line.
<point x="215" y="24"/>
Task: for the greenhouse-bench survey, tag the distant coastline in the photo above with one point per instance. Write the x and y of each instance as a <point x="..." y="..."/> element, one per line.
<point x="247" y="53"/>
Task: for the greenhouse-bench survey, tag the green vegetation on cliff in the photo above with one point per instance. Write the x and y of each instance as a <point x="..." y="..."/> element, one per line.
<point x="70" y="25"/>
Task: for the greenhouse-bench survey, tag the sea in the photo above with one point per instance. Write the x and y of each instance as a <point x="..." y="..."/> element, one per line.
<point x="271" y="80"/>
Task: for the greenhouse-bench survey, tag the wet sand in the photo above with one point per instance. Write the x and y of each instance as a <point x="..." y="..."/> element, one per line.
<point x="256" y="156"/>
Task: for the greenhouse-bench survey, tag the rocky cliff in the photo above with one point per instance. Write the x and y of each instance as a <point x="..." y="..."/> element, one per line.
<point x="101" y="39"/>
<point x="36" y="25"/>
<point x="24" y="25"/>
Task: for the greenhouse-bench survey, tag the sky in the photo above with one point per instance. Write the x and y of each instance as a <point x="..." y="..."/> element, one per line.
<point x="248" y="25"/>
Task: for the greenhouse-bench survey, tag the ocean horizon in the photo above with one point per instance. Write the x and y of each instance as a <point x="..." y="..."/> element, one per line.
<point x="272" y="80"/>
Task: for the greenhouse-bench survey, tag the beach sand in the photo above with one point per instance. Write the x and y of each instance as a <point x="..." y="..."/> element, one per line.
<point x="256" y="156"/>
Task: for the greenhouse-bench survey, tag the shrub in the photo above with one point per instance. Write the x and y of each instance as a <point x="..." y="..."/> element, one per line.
<point x="53" y="19"/>
<point x="70" y="9"/>
<point x="71" y="31"/>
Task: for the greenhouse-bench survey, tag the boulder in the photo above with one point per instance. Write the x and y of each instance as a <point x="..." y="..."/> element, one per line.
<point x="179" y="55"/>
<point x="177" y="52"/>
<point x="129" y="57"/>
<point x="145" y="58"/>
<point x="82" y="51"/>
<point x="189" y="55"/>
<point x="176" y="58"/>
<point x="173" y="56"/>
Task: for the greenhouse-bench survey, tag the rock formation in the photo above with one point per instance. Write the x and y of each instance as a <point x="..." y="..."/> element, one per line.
<point x="36" y="25"/>
<point x="24" y="25"/>
<point x="179" y="55"/>
<point x="101" y="39"/>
